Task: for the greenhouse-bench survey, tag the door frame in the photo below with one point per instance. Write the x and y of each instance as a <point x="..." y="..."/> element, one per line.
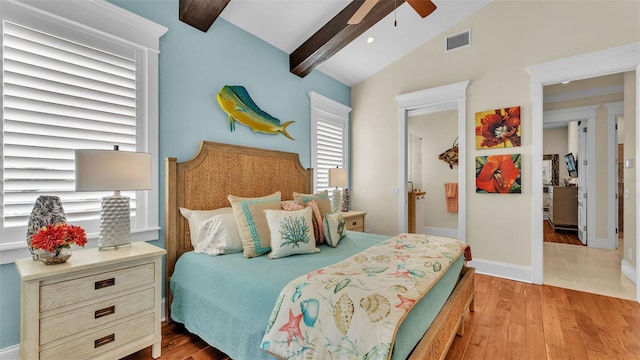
<point x="614" y="110"/>
<point x="428" y="101"/>
<point x="598" y="63"/>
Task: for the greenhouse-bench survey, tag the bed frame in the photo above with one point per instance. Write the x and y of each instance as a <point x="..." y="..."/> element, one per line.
<point x="218" y="170"/>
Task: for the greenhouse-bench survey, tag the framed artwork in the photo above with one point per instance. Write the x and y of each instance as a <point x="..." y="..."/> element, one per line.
<point x="498" y="174"/>
<point x="498" y="128"/>
<point x="550" y="166"/>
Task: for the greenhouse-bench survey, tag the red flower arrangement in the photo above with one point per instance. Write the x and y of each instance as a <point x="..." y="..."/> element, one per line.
<point x="53" y="238"/>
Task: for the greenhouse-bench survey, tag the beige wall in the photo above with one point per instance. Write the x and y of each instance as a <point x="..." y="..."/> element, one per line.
<point x="438" y="131"/>
<point x="507" y="37"/>
<point x="630" y="180"/>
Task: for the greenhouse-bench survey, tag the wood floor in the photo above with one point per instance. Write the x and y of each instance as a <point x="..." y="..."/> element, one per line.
<point x="512" y="320"/>
<point x="560" y="236"/>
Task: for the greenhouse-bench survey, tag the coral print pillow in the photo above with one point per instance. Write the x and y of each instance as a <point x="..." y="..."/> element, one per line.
<point x="334" y="228"/>
<point x="291" y="232"/>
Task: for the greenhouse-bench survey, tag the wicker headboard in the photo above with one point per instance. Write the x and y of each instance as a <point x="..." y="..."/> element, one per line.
<point x="218" y="170"/>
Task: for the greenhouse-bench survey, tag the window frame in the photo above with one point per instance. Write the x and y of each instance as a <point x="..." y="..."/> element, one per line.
<point x="331" y="111"/>
<point x="113" y="24"/>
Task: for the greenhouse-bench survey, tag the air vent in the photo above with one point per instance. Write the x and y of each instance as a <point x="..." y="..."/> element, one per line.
<point x="458" y="40"/>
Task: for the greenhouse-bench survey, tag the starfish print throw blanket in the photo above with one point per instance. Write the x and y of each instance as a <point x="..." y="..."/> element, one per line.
<point x="353" y="309"/>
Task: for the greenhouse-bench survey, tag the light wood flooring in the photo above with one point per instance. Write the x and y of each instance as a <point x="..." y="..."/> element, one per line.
<point x="512" y="320"/>
<point x="584" y="268"/>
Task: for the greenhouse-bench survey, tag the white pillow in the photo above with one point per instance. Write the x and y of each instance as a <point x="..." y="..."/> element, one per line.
<point x="334" y="228"/>
<point x="291" y="232"/>
<point x="219" y="235"/>
<point x="196" y="217"/>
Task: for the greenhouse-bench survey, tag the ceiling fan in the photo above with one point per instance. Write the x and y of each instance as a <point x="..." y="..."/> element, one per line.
<point x="422" y="7"/>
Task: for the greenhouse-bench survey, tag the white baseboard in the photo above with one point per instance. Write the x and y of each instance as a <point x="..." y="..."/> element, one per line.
<point x="436" y="231"/>
<point x="13" y="352"/>
<point x="503" y="270"/>
<point x="10" y="353"/>
<point x="629" y="271"/>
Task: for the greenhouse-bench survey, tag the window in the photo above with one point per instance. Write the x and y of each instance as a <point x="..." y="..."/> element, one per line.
<point x="329" y="138"/>
<point x="66" y="87"/>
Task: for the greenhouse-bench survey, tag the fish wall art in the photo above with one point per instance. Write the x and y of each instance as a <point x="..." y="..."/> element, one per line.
<point x="236" y="102"/>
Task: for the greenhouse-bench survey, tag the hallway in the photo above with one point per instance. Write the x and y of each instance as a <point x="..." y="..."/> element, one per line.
<point x="587" y="269"/>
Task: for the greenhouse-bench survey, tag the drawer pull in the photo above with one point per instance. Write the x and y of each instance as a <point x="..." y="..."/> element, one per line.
<point x="104" y="340"/>
<point x="105" y="283"/>
<point x="106" y="311"/>
<point x="354" y="223"/>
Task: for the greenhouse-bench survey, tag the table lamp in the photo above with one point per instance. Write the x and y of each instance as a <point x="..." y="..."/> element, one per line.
<point x="113" y="170"/>
<point x="337" y="178"/>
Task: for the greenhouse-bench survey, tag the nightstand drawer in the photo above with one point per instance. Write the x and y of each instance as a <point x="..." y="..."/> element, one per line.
<point x="65" y="293"/>
<point x="88" y="317"/>
<point x="92" y="345"/>
<point x="356" y="224"/>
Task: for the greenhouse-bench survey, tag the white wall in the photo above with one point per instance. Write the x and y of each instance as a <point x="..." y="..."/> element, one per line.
<point x="507" y="37"/>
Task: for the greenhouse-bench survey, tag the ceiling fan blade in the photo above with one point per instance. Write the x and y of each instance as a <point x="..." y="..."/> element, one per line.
<point x="422" y="7"/>
<point x="362" y="12"/>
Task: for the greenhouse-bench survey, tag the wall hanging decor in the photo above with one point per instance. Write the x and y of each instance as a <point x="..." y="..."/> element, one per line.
<point x="498" y="174"/>
<point x="498" y="128"/>
<point x="47" y="210"/>
<point x="450" y="156"/>
<point x="236" y="102"/>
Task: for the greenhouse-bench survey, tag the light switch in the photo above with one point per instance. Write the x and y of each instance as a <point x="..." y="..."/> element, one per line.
<point x="628" y="163"/>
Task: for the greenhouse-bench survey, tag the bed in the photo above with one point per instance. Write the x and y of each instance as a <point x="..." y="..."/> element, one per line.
<point x="207" y="294"/>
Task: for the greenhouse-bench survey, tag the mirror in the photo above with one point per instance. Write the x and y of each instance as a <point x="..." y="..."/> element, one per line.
<point x="550" y="170"/>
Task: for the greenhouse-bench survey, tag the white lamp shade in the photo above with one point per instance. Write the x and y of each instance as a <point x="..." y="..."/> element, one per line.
<point x="98" y="170"/>
<point x="338" y="177"/>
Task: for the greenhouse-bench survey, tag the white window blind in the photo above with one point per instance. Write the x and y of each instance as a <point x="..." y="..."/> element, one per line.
<point x="329" y="138"/>
<point x="67" y="86"/>
<point x="60" y="96"/>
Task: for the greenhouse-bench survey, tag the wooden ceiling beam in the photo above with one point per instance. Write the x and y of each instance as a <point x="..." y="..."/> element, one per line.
<point x="201" y="13"/>
<point x="335" y="35"/>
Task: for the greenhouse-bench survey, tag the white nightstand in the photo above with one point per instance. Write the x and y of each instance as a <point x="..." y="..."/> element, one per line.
<point x="97" y="305"/>
<point x="354" y="220"/>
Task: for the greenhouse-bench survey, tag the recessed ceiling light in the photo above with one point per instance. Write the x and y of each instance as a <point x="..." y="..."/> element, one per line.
<point x="370" y="39"/>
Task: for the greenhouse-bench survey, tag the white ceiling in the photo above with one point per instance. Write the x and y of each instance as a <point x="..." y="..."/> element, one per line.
<point x="286" y="24"/>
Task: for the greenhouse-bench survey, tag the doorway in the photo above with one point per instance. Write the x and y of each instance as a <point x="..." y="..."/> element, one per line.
<point x="620" y="59"/>
<point x="589" y="133"/>
<point x="430" y="211"/>
<point x="433" y="100"/>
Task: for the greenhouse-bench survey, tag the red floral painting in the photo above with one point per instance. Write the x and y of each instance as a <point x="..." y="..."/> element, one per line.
<point x="498" y="174"/>
<point x="498" y="128"/>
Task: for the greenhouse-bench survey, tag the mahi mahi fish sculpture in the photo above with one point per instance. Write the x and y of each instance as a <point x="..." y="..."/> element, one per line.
<point x="236" y="102"/>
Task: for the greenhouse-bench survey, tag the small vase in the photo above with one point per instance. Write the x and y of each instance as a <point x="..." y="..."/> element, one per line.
<point x="58" y="256"/>
<point x="47" y="210"/>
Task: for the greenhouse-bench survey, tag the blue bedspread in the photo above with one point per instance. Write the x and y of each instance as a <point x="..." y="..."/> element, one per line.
<point x="227" y="300"/>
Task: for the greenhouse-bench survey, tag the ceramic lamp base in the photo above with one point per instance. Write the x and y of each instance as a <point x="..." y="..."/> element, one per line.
<point x="115" y="222"/>
<point x="336" y="199"/>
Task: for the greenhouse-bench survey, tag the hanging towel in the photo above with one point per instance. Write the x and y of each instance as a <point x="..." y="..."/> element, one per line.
<point x="451" y="195"/>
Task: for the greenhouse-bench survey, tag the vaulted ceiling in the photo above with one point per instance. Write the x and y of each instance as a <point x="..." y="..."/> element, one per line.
<point x="315" y="33"/>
